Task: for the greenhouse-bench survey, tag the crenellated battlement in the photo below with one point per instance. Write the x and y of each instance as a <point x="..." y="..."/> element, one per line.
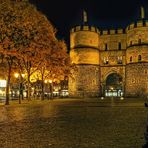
<point x="138" y="24"/>
<point x="84" y="28"/>
<point x="99" y="53"/>
<point x="112" y="31"/>
<point x="137" y="33"/>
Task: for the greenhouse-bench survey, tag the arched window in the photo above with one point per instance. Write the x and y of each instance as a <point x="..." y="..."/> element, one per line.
<point x="139" y="57"/>
<point x="131" y="59"/>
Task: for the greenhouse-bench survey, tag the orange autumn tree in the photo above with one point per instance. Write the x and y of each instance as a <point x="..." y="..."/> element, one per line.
<point x="7" y="45"/>
<point x="55" y="64"/>
<point x="26" y="37"/>
<point x="42" y="34"/>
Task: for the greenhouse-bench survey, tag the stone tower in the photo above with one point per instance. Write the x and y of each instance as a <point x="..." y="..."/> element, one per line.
<point x="137" y="58"/>
<point x="84" y="52"/>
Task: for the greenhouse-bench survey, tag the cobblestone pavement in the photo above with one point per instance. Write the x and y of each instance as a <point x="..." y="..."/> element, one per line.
<point x="72" y="124"/>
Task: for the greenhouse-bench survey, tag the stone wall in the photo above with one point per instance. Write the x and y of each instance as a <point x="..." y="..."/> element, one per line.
<point x="113" y="57"/>
<point x="112" y="41"/>
<point x="84" y="39"/>
<point x="133" y="52"/>
<point x="136" y="79"/>
<point x="137" y="32"/>
<point x="85" y="81"/>
<point x="84" y="56"/>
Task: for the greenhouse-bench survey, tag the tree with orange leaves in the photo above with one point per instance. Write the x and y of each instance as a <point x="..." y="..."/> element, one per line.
<point x="55" y="65"/>
<point x="27" y="39"/>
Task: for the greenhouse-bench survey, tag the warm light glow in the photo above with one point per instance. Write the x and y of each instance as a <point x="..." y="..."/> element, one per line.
<point x="122" y="98"/>
<point x="48" y="81"/>
<point x="3" y="83"/>
<point x="2" y="92"/>
<point x="102" y="98"/>
<point x="16" y="75"/>
<point x="112" y="88"/>
<point x="23" y="75"/>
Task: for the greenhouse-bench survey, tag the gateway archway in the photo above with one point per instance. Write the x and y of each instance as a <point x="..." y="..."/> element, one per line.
<point x="114" y="85"/>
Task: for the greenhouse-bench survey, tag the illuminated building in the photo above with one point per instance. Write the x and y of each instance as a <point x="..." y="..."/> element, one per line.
<point x="2" y="87"/>
<point x="109" y="62"/>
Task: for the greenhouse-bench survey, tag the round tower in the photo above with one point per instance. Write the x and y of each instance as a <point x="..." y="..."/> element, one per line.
<point x="84" y="53"/>
<point x="137" y="59"/>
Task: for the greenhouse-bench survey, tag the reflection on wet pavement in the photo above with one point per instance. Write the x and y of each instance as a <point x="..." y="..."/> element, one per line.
<point x="71" y="126"/>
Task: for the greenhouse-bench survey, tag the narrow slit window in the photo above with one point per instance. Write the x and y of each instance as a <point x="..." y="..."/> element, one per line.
<point x="131" y="59"/>
<point x="139" y="57"/>
<point x="119" y="45"/>
<point x="106" y="48"/>
<point x="139" y="41"/>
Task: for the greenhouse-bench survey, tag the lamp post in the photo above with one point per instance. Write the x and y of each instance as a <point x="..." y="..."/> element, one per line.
<point x="112" y="98"/>
<point x="20" y="77"/>
<point x="51" y="89"/>
<point x="112" y="89"/>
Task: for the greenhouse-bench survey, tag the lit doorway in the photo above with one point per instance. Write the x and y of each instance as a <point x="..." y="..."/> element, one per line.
<point x="114" y="87"/>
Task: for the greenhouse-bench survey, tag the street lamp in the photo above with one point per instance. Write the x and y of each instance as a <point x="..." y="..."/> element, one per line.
<point x="112" y="89"/>
<point x="16" y="75"/>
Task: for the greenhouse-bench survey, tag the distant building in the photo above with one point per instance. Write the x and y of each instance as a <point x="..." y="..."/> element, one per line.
<point x="109" y="62"/>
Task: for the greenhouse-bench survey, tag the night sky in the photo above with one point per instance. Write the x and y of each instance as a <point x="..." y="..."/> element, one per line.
<point x="105" y="14"/>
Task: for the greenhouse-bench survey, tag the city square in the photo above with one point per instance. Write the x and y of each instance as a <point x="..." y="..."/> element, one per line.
<point x="71" y="123"/>
<point x="73" y="74"/>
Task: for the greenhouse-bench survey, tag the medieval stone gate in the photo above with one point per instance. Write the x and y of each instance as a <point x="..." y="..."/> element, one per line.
<point x="111" y="62"/>
<point x="112" y="81"/>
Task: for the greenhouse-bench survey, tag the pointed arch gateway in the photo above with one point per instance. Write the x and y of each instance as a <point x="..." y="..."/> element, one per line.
<point x="114" y="85"/>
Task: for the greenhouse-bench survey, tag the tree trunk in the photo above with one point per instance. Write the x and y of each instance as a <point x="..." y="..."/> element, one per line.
<point x="19" y="98"/>
<point x="20" y="90"/>
<point x="28" y="87"/>
<point x="51" y="91"/>
<point x="8" y="86"/>
<point x="42" y="85"/>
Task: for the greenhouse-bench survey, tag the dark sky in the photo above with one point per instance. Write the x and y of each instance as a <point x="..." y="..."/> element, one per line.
<point x="103" y="13"/>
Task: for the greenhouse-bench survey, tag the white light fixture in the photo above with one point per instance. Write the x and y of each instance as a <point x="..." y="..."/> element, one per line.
<point x="102" y="98"/>
<point x="122" y="98"/>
